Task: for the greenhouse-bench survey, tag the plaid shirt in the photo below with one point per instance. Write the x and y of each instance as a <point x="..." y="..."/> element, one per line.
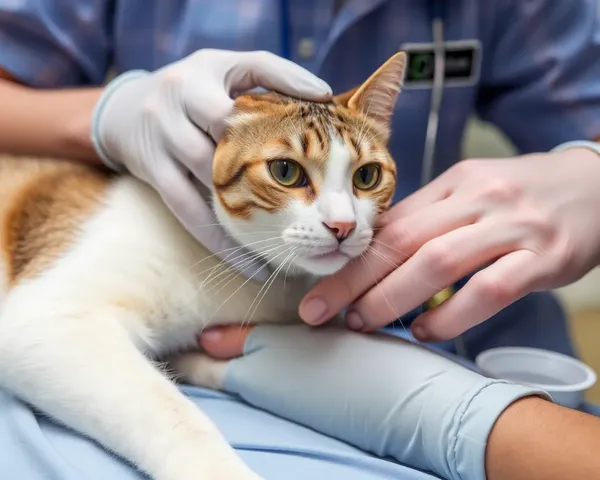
<point x="539" y="78"/>
<point x="539" y="71"/>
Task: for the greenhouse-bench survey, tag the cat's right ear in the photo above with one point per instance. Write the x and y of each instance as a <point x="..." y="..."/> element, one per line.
<point x="377" y="96"/>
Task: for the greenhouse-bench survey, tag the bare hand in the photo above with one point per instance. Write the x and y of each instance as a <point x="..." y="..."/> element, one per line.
<point x="523" y="224"/>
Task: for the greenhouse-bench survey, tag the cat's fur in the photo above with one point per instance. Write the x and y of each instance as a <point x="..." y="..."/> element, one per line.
<point x="98" y="279"/>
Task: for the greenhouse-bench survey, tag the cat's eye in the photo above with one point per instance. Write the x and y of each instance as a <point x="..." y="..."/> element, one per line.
<point x="288" y="173"/>
<point x="367" y="176"/>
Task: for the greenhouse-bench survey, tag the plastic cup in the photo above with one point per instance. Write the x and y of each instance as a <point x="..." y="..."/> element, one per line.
<point x="563" y="377"/>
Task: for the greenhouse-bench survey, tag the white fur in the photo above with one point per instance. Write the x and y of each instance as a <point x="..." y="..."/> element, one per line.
<point x="298" y="229"/>
<point x="71" y="339"/>
<point x="74" y="341"/>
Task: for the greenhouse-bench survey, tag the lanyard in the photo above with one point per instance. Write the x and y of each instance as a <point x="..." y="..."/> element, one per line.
<point x="284" y="33"/>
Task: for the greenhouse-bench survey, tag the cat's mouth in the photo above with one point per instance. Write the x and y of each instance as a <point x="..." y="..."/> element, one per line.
<point x="336" y="254"/>
<point x="324" y="260"/>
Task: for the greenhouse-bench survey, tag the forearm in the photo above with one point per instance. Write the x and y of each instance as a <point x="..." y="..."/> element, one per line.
<point x="47" y="122"/>
<point x="535" y="439"/>
<point x="376" y="392"/>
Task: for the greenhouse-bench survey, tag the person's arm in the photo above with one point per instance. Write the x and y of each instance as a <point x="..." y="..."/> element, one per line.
<point x="539" y="73"/>
<point x="53" y="61"/>
<point x="53" y="123"/>
<point x="381" y="394"/>
<point x="395" y="399"/>
<point x="535" y="439"/>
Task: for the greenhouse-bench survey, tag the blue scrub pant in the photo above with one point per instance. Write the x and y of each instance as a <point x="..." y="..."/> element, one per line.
<point x="34" y="448"/>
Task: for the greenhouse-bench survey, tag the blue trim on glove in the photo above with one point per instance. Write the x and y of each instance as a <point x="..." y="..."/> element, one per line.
<point x="110" y="88"/>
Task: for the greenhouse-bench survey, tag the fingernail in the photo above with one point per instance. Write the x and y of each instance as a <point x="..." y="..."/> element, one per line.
<point x="326" y="88"/>
<point x="213" y="335"/>
<point x="313" y="310"/>
<point x="354" y="322"/>
<point x="419" y="332"/>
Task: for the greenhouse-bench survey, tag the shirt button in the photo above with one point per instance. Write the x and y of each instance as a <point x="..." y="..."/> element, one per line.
<point x="306" y="48"/>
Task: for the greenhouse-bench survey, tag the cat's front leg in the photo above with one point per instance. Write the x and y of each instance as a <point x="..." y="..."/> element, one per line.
<point x="197" y="368"/>
<point x="84" y="370"/>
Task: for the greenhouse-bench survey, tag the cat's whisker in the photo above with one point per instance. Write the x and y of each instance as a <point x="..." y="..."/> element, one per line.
<point x="239" y="269"/>
<point x="295" y="127"/>
<point x="245" y="246"/>
<point x="363" y="127"/>
<point x="288" y="269"/>
<point x="401" y="253"/>
<point x="254" y="233"/>
<point x="243" y="260"/>
<point x="224" y="267"/>
<point x="232" y="275"/>
<point x="239" y="288"/>
<point x="406" y="255"/>
<point x="218" y="224"/>
<point x="267" y="285"/>
<point x="235" y="250"/>
<point x="385" y="298"/>
<point x="381" y="255"/>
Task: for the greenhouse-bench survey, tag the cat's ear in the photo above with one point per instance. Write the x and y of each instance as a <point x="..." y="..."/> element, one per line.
<point x="377" y="96"/>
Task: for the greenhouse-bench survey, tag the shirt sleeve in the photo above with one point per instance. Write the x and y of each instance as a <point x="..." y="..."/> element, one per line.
<point x="53" y="43"/>
<point x="540" y="80"/>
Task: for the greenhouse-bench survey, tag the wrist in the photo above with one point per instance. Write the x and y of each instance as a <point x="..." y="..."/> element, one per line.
<point x="74" y="136"/>
<point x="96" y="130"/>
<point x="475" y="419"/>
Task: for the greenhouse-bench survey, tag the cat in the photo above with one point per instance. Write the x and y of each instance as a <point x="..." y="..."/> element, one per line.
<point x="99" y="282"/>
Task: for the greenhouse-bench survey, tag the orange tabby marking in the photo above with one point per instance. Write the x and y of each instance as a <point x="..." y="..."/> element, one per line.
<point x="257" y="134"/>
<point x="43" y="205"/>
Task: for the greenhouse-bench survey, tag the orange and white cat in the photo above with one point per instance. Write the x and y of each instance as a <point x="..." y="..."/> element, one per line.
<point x="98" y="280"/>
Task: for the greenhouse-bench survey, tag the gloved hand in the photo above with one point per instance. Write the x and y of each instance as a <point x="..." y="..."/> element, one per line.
<point x="523" y="224"/>
<point x="376" y="392"/>
<point x="160" y="126"/>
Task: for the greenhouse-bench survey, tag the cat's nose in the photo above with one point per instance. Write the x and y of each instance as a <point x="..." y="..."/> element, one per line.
<point x="341" y="230"/>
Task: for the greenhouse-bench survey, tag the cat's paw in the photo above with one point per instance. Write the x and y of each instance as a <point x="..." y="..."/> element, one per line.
<point x="195" y="368"/>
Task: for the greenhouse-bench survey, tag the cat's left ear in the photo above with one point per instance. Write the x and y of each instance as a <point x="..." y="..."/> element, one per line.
<point x="377" y="96"/>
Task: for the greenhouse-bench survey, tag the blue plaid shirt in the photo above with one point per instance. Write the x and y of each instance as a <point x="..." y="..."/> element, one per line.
<point x="539" y="76"/>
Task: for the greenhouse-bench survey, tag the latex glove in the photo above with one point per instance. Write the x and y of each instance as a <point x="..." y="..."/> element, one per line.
<point x="376" y="392"/>
<point x="523" y="224"/>
<point x="162" y="126"/>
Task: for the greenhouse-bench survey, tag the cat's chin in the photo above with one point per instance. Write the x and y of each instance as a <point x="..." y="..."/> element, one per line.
<point x="322" y="265"/>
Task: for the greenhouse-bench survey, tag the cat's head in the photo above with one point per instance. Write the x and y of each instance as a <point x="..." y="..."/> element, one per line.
<point x="302" y="183"/>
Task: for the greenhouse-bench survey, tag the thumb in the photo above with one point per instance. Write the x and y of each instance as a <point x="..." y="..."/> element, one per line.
<point x="225" y="342"/>
<point x="263" y="69"/>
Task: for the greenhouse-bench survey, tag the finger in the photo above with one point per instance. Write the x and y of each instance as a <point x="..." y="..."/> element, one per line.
<point x="208" y="109"/>
<point x="438" y="264"/>
<point x="192" y="147"/>
<point x="437" y="190"/>
<point x="264" y="69"/>
<point x="248" y="70"/>
<point x="225" y="342"/>
<point x="390" y="248"/>
<point x="485" y="294"/>
<point x="192" y="211"/>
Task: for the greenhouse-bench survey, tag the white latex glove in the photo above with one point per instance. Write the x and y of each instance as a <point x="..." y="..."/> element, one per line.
<point x="161" y="126"/>
<point x="523" y="224"/>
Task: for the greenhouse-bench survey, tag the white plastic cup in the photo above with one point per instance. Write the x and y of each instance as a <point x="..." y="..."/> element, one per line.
<point x="563" y="377"/>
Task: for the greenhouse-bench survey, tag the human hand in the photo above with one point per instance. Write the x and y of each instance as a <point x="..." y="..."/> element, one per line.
<point x="162" y="126"/>
<point x="379" y="393"/>
<point x="528" y="223"/>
